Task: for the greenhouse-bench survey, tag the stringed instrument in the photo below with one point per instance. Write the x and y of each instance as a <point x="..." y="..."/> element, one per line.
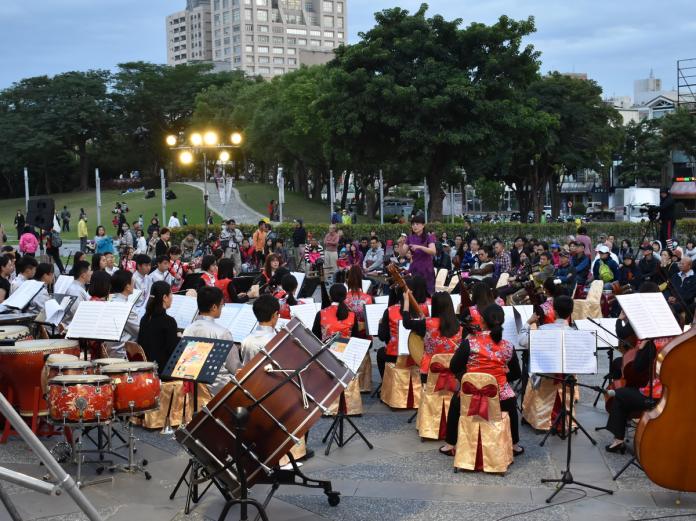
<point x="535" y="299"/>
<point x="416" y="346"/>
<point x="664" y="441"/>
<point x="466" y="304"/>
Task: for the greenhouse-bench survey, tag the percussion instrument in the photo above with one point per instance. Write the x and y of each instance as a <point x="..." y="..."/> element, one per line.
<point x="52" y="359"/>
<point x="21" y="366"/>
<point x="281" y="405"/>
<point x="136" y="386"/>
<point x="85" y="398"/>
<point x="16" y="333"/>
<point x="101" y="362"/>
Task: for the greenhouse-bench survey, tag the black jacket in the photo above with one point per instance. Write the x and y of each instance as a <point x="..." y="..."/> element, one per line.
<point x="158" y="338"/>
<point x="299" y="236"/>
<point x="667" y="208"/>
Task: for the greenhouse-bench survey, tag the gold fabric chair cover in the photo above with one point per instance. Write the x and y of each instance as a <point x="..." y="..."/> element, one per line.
<point x="398" y="381"/>
<point x="434" y="405"/>
<point x="365" y="374"/>
<point x="172" y="392"/>
<point x="590" y="307"/>
<point x="538" y="404"/>
<point x="353" y="400"/>
<point x="494" y="433"/>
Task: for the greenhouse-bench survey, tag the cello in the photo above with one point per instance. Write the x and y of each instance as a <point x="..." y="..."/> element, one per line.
<point x="416" y="346"/>
<point x="664" y="441"/>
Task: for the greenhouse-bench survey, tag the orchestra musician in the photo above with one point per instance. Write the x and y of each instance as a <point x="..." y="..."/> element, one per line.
<point x="82" y="273"/>
<point x="161" y="272"/>
<point x="225" y="282"/>
<point x="7" y="267"/>
<point x="334" y="317"/>
<point x="122" y="287"/>
<point x="44" y="274"/>
<point x="209" y="268"/>
<point x="481" y="297"/>
<point x="286" y="295"/>
<point x="266" y="310"/>
<point x="210" y="302"/>
<point x="26" y="269"/>
<point x="441" y="332"/>
<point x="176" y="268"/>
<point x="388" y="331"/>
<point x="268" y="276"/>
<point x="356" y="298"/>
<point x="142" y="281"/>
<point x="158" y="331"/>
<point x="486" y="352"/>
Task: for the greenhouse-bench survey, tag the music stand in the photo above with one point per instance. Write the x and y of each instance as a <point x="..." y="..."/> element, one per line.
<point x="196" y="360"/>
<point x="336" y="432"/>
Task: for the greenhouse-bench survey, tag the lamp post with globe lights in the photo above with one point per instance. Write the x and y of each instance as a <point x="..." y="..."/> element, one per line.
<point x="204" y="143"/>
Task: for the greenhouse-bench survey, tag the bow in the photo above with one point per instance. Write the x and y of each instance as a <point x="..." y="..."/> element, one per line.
<point x="187" y="386"/>
<point x="479" y="398"/>
<point x="445" y="379"/>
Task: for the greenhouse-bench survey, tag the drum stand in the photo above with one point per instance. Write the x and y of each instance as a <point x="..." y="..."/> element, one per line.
<point x="567" y="477"/>
<point x="78" y="431"/>
<point x="336" y="431"/>
<point x="133" y="466"/>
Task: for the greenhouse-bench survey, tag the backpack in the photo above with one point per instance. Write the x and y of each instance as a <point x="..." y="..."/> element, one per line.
<point x="605" y="272"/>
<point x="56" y="241"/>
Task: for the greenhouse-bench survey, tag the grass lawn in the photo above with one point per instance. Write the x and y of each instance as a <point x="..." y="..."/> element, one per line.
<point x="258" y="195"/>
<point x="189" y="201"/>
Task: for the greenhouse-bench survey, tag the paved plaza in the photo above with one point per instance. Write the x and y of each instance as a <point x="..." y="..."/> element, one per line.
<point x="402" y="479"/>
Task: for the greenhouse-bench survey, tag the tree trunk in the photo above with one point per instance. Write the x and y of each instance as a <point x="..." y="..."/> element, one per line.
<point x="435" y="196"/>
<point x="317" y="178"/>
<point x="346" y="185"/>
<point x="555" y="194"/>
<point x="84" y="166"/>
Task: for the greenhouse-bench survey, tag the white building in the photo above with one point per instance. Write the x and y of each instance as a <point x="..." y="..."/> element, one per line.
<point x="648" y="89"/>
<point x="189" y="36"/>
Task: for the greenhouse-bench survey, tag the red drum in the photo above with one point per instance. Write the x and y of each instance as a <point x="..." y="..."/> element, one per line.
<point x="46" y="374"/>
<point x="136" y="386"/>
<point x="16" y="333"/>
<point x="101" y="362"/>
<point x="21" y="366"/>
<point x="84" y="398"/>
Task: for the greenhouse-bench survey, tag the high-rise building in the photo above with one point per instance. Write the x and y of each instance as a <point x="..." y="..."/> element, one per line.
<point x="189" y="35"/>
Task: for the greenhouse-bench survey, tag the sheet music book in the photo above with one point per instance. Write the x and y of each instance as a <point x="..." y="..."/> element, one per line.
<point x="282" y="322"/>
<point x="300" y="280"/>
<point x="98" y="320"/>
<point x="373" y="314"/>
<point x="522" y="315"/>
<point x="244" y="323"/>
<point x="62" y="284"/>
<point x="229" y="313"/>
<point x="54" y="310"/>
<point x="350" y="351"/>
<point x="197" y="359"/>
<point x="649" y="315"/>
<point x="306" y="313"/>
<point x="20" y="298"/>
<point x="567" y="351"/>
<point x="604" y="339"/>
<point x="510" y="330"/>
<point x="456" y="301"/>
<point x="381" y="299"/>
<point x="184" y="310"/>
<point x="403" y="339"/>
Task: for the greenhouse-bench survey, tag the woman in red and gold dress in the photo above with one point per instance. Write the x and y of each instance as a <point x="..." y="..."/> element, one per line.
<point x="356" y="298"/>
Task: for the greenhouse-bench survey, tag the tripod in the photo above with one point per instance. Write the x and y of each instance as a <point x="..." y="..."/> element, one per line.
<point x="565" y="417"/>
<point x="567" y="479"/>
<point x="336" y="432"/>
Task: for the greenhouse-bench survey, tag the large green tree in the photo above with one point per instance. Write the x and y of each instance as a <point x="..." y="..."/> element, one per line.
<point x="643" y="154"/>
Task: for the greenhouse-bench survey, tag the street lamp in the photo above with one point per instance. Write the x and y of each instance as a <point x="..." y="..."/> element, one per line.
<point x="204" y="143"/>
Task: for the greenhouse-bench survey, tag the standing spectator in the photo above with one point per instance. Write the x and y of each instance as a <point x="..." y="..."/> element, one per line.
<point x="82" y="213"/>
<point x="331" y="250"/>
<point x="152" y="244"/>
<point x="28" y="243"/>
<point x="65" y="217"/>
<point x="231" y="237"/>
<point x="82" y="231"/>
<point x="173" y="221"/>
<point x="188" y="247"/>
<point x="140" y="245"/>
<point x="163" y="244"/>
<point x="335" y="218"/>
<point x="259" y="242"/>
<point x="184" y="220"/>
<point x="53" y="244"/>
<point x="667" y="217"/>
<point x="210" y="218"/>
<point x="19" y="223"/>
<point x="141" y="221"/>
<point x="126" y="241"/>
<point x="271" y="208"/>
<point x="299" y="239"/>
<point x="346" y="218"/>
<point x="102" y="241"/>
<point x="153" y="227"/>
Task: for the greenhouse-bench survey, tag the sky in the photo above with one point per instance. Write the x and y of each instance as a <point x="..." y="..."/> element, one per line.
<point x="613" y="41"/>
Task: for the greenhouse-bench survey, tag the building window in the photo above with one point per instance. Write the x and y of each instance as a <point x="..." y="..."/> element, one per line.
<point x="228" y="51"/>
<point x="302" y="41"/>
<point x="237" y="49"/>
<point x="263" y="49"/>
<point x="339" y="7"/>
<point x="292" y="41"/>
<point x="296" y="31"/>
<point x="248" y="48"/>
<point x="218" y="53"/>
<point x="277" y="40"/>
<point x="235" y="15"/>
<point x="340" y="35"/>
<point x="226" y="41"/>
<point x="278" y="61"/>
<point x="292" y="51"/>
<point x="309" y="6"/>
<point x="292" y="61"/>
<point x="218" y="43"/>
<point x="262" y="2"/>
<point x="262" y="15"/>
<point x="263" y="28"/>
<point x="249" y="59"/>
<point x="263" y="39"/>
<point x="314" y="32"/>
<point x="327" y="5"/>
<point x="339" y="21"/>
<point x="226" y="17"/>
<point x="328" y="21"/>
<point x="216" y="5"/>
<point x="225" y="4"/>
<point x="218" y="32"/>
<point x="328" y="34"/>
<point x="277" y="50"/>
<point x="249" y="37"/>
<point x="264" y="59"/>
<point x="249" y="27"/>
<point x="328" y="43"/>
<point x="248" y="15"/>
<point x="315" y="43"/>
<point x="237" y="59"/>
<point x="264" y="70"/>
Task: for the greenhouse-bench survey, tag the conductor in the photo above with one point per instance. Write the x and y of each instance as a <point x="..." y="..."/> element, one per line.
<point x="667" y="217"/>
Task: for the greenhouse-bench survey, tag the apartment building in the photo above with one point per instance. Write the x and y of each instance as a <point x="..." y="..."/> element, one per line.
<point x="189" y="34"/>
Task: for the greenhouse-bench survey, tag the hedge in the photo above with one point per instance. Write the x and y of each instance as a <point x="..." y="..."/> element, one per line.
<point x="505" y="231"/>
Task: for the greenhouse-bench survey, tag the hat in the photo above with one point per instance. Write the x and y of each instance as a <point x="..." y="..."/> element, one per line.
<point x="564" y="253"/>
<point x="646" y="247"/>
<point x="403" y="234"/>
<point x="603" y="249"/>
<point x="556" y="245"/>
<point x="677" y="253"/>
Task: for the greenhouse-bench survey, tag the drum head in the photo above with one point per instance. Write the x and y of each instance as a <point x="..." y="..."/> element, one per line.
<point x="9" y="332"/>
<point x="108" y="361"/>
<point x="129" y="367"/>
<point x="29" y="346"/>
<point x="60" y="357"/>
<point x="84" y="379"/>
<point x="69" y="364"/>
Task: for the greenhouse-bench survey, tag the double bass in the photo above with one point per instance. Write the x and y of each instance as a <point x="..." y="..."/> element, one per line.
<point x="416" y="346"/>
<point x="664" y="441"/>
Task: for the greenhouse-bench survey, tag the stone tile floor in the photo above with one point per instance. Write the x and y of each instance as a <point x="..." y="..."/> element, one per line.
<point x="402" y="479"/>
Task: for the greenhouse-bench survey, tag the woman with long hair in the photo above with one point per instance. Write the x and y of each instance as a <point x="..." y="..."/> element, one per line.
<point x="481" y="297"/>
<point x="77" y="257"/>
<point x="441" y="332"/>
<point x="421" y="245"/>
<point x="225" y="282"/>
<point x="7" y="267"/>
<point x="270" y="267"/>
<point x="355" y="256"/>
<point x="158" y="331"/>
<point x="98" y="262"/>
<point x="356" y="298"/>
<point x="486" y="352"/>
<point x="103" y="243"/>
<point x="335" y="317"/>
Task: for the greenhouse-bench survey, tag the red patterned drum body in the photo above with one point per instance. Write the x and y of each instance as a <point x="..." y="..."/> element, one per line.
<point x="136" y="386"/>
<point x="84" y="398"/>
<point x="72" y="367"/>
<point x="21" y="366"/>
<point x="51" y="360"/>
<point x="101" y="362"/>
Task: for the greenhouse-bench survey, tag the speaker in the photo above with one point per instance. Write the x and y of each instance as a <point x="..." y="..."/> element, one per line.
<point x="41" y="212"/>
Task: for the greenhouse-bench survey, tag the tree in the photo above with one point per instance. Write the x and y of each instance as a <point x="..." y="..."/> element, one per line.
<point x="643" y="154"/>
<point x="679" y="132"/>
<point x="490" y="192"/>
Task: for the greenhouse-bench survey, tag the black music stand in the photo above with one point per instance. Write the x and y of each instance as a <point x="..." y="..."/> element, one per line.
<point x="565" y="417"/>
<point x="215" y="359"/>
<point x="567" y="478"/>
<point x="336" y="432"/>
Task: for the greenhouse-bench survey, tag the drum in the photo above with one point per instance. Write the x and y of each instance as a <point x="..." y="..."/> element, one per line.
<point x="136" y="386"/>
<point x="101" y="362"/>
<point x="45" y="377"/>
<point x="21" y="366"/>
<point x="84" y="398"/>
<point x="16" y="333"/>
<point x="283" y="416"/>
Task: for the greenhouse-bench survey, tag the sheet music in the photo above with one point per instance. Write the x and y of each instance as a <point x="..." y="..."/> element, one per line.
<point x="382" y="299"/>
<point x="351" y="351"/>
<point x="300" y="280"/>
<point x="98" y="320"/>
<point x="62" y="284"/>
<point x="579" y="352"/>
<point x="649" y="315"/>
<point x="244" y="323"/>
<point x="456" y="301"/>
<point x="546" y="351"/>
<point x="403" y="338"/>
<point x="20" y="298"/>
<point x="510" y="326"/>
<point x="54" y="311"/>
<point x="604" y="339"/>
<point x="365" y="285"/>
<point x="229" y="313"/>
<point x="525" y="312"/>
<point x="184" y="310"/>
<point x="373" y="314"/>
<point x="282" y="322"/>
<point x="306" y="313"/>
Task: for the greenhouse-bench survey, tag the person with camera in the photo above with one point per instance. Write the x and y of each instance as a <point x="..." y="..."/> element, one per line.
<point x="666" y="216"/>
<point x="230" y="239"/>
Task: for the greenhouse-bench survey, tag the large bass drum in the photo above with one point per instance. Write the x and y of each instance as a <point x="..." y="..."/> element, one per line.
<point x="279" y="413"/>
